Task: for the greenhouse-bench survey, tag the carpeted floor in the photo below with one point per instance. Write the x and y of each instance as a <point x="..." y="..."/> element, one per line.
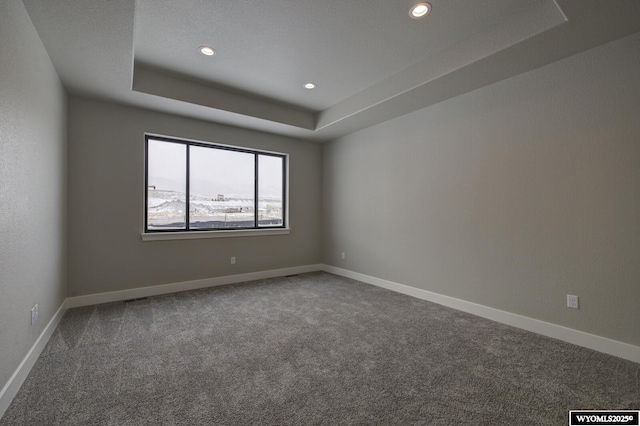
<point x="305" y="350"/>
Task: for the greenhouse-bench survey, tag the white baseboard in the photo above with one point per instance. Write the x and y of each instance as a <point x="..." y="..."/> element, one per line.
<point x="17" y="379"/>
<point x="115" y="296"/>
<point x="598" y="343"/>
<point x="580" y="338"/>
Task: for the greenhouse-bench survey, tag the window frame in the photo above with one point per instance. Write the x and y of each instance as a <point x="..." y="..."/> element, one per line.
<point x="189" y="233"/>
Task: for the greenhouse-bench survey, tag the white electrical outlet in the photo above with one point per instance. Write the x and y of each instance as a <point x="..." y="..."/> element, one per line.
<point x="34" y="314"/>
<point x="344" y="256"/>
<point x="233" y="260"/>
<point x="572" y="301"/>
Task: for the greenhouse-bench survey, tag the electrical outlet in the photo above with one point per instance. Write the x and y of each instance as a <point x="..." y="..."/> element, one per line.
<point x="34" y="314"/>
<point x="233" y="260"/>
<point x="572" y="301"/>
<point x="344" y="256"/>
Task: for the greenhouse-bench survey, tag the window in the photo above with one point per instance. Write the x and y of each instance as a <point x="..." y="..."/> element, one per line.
<point x="198" y="186"/>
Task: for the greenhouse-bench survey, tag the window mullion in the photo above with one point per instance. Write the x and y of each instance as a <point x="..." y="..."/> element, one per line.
<point x="255" y="191"/>
<point x="188" y="196"/>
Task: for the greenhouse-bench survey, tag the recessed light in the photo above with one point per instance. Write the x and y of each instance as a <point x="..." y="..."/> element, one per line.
<point x="206" y="50"/>
<point x="310" y="86"/>
<point x="420" y="10"/>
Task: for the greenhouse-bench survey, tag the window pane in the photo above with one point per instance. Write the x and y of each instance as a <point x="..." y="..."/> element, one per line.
<point x="270" y="191"/>
<point x="221" y="188"/>
<point x="167" y="186"/>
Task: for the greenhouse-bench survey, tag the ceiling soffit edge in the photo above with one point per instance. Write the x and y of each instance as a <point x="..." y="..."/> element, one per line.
<point x="520" y="25"/>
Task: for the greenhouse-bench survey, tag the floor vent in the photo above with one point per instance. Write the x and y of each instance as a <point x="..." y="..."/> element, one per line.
<point x="135" y="300"/>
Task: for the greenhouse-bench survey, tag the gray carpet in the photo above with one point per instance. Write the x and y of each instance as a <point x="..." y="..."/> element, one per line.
<point x="304" y="350"/>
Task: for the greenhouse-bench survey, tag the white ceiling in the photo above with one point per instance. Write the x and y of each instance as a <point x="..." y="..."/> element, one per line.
<point x="271" y="48"/>
<point x="370" y="60"/>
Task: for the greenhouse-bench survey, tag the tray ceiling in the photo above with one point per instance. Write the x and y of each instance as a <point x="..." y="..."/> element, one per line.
<point x="369" y="59"/>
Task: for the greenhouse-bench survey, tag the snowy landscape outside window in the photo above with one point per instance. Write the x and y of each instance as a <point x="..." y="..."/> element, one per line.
<point x="197" y="186"/>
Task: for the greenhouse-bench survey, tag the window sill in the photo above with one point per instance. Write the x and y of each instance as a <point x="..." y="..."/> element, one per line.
<point x="195" y="235"/>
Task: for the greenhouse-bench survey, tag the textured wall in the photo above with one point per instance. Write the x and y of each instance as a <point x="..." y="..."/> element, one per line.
<point x="32" y="186"/>
<point x="106" y="188"/>
<point x="511" y="196"/>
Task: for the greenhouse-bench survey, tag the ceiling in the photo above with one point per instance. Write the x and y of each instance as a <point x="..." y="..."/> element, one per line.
<point x="370" y="61"/>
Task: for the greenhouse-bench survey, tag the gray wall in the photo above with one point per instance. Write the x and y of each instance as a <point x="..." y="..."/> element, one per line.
<point x="32" y="186"/>
<point x="106" y="188"/>
<point x="511" y="196"/>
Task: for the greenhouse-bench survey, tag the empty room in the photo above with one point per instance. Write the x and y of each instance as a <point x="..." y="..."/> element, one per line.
<point x="319" y="212"/>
